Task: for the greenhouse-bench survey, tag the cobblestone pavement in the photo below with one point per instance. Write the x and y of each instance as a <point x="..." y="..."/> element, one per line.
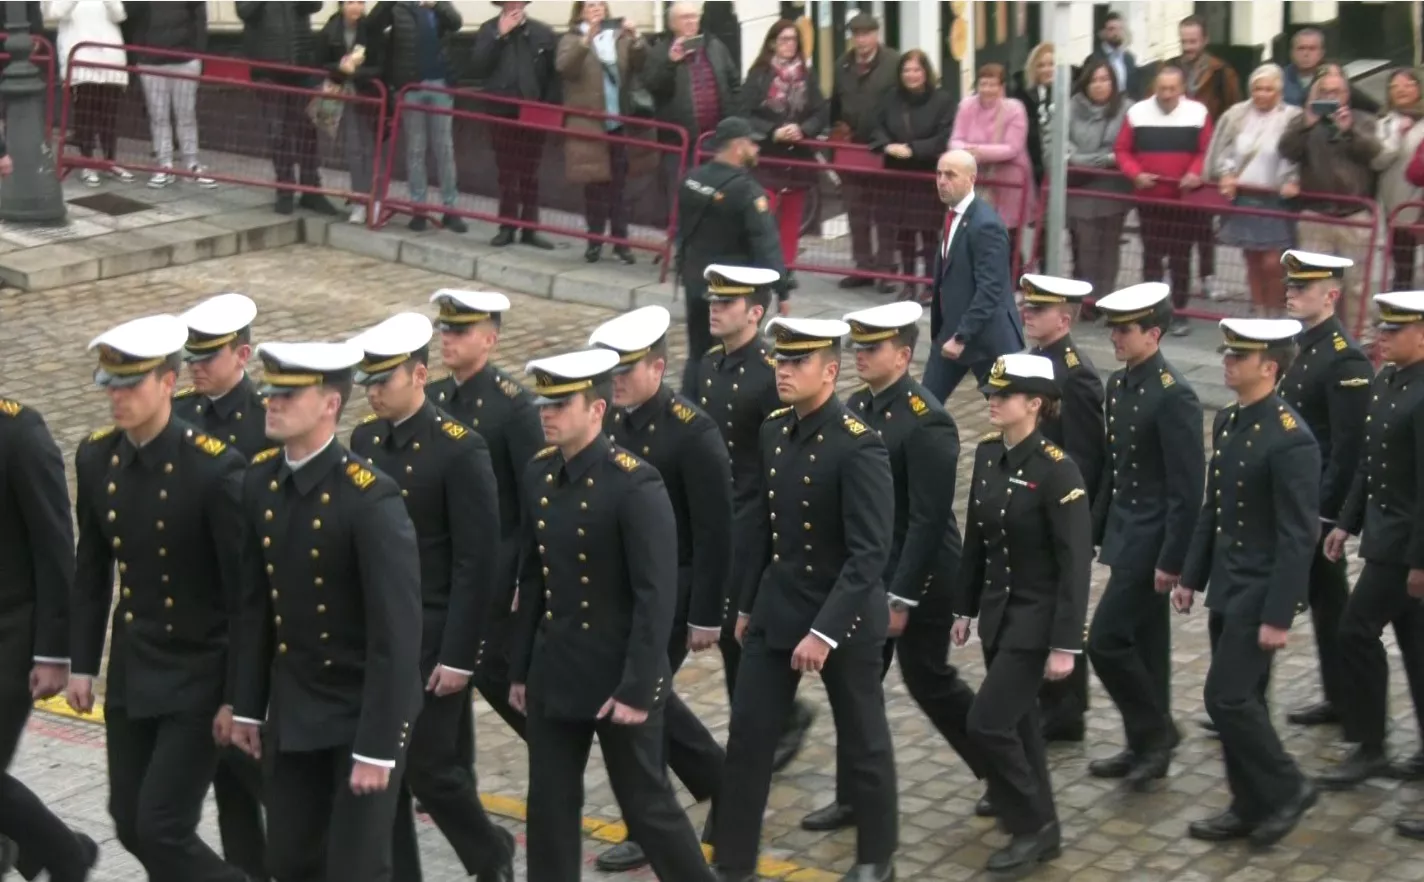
<point x="306" y="293"/>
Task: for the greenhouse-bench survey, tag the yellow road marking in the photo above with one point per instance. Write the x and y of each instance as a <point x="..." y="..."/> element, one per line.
<point x="611" y="832"/>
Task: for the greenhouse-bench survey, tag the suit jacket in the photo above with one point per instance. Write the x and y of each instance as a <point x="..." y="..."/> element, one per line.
<point x="973" y="297"/>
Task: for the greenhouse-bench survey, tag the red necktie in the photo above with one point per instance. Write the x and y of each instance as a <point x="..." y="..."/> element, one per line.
<point x="944" y="240"/>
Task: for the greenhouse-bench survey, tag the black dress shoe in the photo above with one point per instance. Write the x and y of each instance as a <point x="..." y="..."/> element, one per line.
<point x="1115" y="766"/>
<point x="1408" y="769"/>
<point x="1220" y="828"/>
<point x="626" y="855"/>
<point x="625" y="254"/>
<point x="851" y="282"/>
<point x="419" y="224"/>
<point x="1026" y="849"/>
<point x="870" y="873"/>
<point x="1068" y="731"/>
<point x="794" y="736"/>
<point x="317" y="203"/>
<point x="1320" y="714"/>
<point x="1410" y="828"/>
<point x="593" y="252"/>
<point x="734" y="876"/>
<point x="1279" y="823"/>
<point x="831" y="817"/>
<point x="286" y="203"/>
<point x="531" y="238"/>
<point x="984" y="808"/>
<point x="1359" y="765"/>
<point x="9" y="853"/>
<point x="1151" y="766"/>
<point x="504" y="237"/>
<point x="503" y="869"/>
<point x="454" y="223"/>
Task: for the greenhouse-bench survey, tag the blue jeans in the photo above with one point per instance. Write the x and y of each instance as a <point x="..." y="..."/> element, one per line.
<point x="433" y="128"/>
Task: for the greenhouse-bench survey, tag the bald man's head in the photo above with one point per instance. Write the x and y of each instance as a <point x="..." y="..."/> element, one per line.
<point x="954" y="176"/>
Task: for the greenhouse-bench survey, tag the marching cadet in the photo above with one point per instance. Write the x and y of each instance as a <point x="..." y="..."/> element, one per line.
<point x="1142" y="518"/>
<point x="226" y="405"/>
<point x="683" y="444"/>
<point x="814" y="601"/>
<point x="1384" y="509"/>
<point x="223" y="401"/>
<point x="589" y="653"/>
<point x="924" y="545"/>
<point x="735" y="383"/>
<point x="159" y="500"/>
<point x="1251" y="552"/>
<point x="1328" y="384"/>
<point x="36" y="573"/>
<point x="329" y="651"/>
<point x="450" y="492"/>
<point x="494" y="404"/>
<point x="1031" y="615"/>
<point x="1050" y="305"/>
<point x="723" y="216"/>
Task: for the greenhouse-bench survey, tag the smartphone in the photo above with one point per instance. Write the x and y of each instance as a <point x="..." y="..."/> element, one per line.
<point x="692" y="43"/>
<point x="612" y="24"/>
<point x="1324" y="108"/>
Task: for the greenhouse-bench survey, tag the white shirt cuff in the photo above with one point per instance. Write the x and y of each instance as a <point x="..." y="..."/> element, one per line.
<point x="829" y="642"/>
<point x="717" y="628"/>
<point x="385" y="764"/>
<point x="905" y="600"/>
<point x="75" y="676"/>
<point x="247" y="720"/>
<point x="46" y="660"/>
<point x="970" y="618"/>
<point x="1069" y="651"/>
<point x="458" y="671"/>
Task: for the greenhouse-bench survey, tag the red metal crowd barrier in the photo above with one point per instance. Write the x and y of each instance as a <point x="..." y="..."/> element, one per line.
<point x="884" y="224"/>
<point x="258" y="123"/>
<point x="42" y="56"/>
<point x="1406" y="234"/>
<point x="1119" y="237"/>
<point x="530" y="145"/>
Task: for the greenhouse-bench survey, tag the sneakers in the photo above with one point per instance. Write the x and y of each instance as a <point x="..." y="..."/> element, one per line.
<point x="1181" y="327"/>
<point x="90" y="177"/>
<point x="121" y="174"/>
<point x="161" y="180"/>
<point x="1212" y="289"/>
<point x="358" y="215"/>
<point x="200" y="178"/>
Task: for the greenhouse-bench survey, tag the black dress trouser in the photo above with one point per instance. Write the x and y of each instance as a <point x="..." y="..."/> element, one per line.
<point x="45" y="843"/>
<point x="1380" y="598"/>
<point x="765" y="691"/>
<point x="1329" y="592"/>
<point x="1004" y="725"/>
<point x="440" y="773"/>
<point x="633" y="756"/>
<point x="1130" y="646"/>
<point x="237" y="790"/>
<point x="159" y="772"/>
<point x="1261" y="774"/>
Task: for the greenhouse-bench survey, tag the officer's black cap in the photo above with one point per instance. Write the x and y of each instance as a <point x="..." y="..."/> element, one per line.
<point x="1304" y="267"/>
<point x="730" y="129"/>
<point x="727" y="282"/>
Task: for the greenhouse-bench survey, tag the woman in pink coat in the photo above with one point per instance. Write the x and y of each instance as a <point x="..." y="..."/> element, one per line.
<point x="995" y="129"/>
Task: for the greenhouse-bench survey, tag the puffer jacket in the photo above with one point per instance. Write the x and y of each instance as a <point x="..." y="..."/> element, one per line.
<point x="181" y="27"/>
<point x="396" y="26"/>
<point x="279" y="32"/>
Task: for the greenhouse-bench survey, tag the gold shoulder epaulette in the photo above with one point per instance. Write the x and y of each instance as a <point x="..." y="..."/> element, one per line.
<point x="1053" y="451"/>
<point x="546" y="452"/>
<point x="101" y="434"/>
<point x="714" y="350"/>
<point x="1288" y="421"/>
<point x="770" y="362"/>
<point x="1168" y="380"/>
<point x="778" y="413"/>
<point x="369" y="418"/>
<point x="360" y="476"/>
<point x="1070" y="358"/>
<point x="1340" y="343"/>
<point x="453" y="429"/>
<point x="264" y="399"/>
<point x="917" y="404"/>
<point x="991" y="436"/>
<point x="683" y="412"/>
<point x="626" y="461"/>
<point x="185" y="392"/>
<point x="10" y="408"/>
<point x="208" y="444"/>
<point x="264" y="455"/>
<point x="509" y="387"/>
<point x="854" y="426"/>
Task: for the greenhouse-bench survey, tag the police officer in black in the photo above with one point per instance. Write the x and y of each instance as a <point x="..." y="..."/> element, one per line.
<point x="1024" y="575"/>
<point x="682" y="443"/>
<point x="1328" y="384"/>
<point x="1143" y="516"/>
<point x="596" y="601"/>
<point x="922" y="440"/>
<point x="814" y="601"/>
<point x="226" y="405"/>
<point x="1251" y="552"/>
<point x="329" y="651"/>
<point x="158" y="500"/>
<point x="448" y="484"/>
<point x="1385" y="510"/>
<point x="723" y="216"/>
<point x="487" y="399"/>
<point x="1050" y="305"/>
<point x="735" y="383"/>
<point x="36" y="574"/>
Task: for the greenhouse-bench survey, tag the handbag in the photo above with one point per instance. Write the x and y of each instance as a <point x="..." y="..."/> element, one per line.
<point x="325" y="110"/>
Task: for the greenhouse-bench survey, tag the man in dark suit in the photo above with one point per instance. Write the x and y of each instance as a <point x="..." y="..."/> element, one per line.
<point x="973" y="319"/>
<point x="1123" y="63"/>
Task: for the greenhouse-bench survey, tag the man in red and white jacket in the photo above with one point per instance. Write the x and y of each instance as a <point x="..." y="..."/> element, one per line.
<point x="1161" y="148"/>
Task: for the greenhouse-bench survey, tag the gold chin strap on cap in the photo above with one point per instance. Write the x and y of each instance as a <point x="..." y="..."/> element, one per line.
<point x="1241" y="343"/>
<point x="724" y="290"/>
<point x="451" y="316"/>
<point x="211" y="343"/>
<point x="1033" y="295"/>
<point x="627" y="358"/>
<point x="802" y="345"/>
<point x="114" y="363"/>
<point x="1399" y="318"/>
<point x="279" y="378"/>
<point x="375" y="367"/>
<point x="1126" y="317"/>
<point x="553" y="389"/>
<point x="862" y="334"/>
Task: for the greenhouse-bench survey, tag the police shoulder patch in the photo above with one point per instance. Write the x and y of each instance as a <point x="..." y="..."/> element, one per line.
<point x="991" y="436"/>
<point x="625" y="461"/>
<point x="714" y="350"/>
<point x="683" y="412"/>
<point x="917" y="404"/>
<point x="546" y="452"/>
<point x="10" y="408"/>
<point x="1168" y="380"/>
<point x="1353" y="382"/>
<point x="368" y="418"/>
<point x="854" y="426"/>
<point x="1076" y="493"/>
<point x="453" y="429"/>
<point x="1288" y="422"/>
<point x="360" y="476"/>
<point x="1070" y="358"/>
<point x="778" y="413"/>
<point x="208" y="444"/>
<point x="186" y="391"/>
<point x="1339" y="343"/>
<point x="1053" y="451"/>
<point x="264" y="455"/>
<point x="101" y="434"/>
